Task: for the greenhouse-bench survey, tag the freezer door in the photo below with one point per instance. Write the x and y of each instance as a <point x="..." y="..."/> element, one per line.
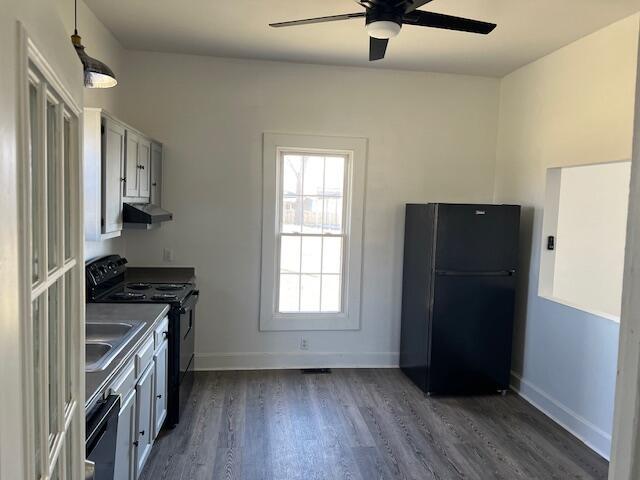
<point x="471" y="334"/>
<point x="480" y="238"/>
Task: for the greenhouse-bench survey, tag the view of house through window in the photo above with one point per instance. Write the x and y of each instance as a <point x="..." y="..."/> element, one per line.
<point x="312" y="236"/>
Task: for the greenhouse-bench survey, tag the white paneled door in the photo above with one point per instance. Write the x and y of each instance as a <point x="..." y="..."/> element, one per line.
<point x="52" y="255"/>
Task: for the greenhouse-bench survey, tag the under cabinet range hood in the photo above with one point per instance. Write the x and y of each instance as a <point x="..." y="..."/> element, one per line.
<point x="144" y="215"/>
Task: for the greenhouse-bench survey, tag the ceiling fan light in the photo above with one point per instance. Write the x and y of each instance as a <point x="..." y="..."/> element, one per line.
<point x="383" y="29"/>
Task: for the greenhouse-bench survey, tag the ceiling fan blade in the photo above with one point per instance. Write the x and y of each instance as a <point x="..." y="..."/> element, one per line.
<point x="411" y="5"/>
<point x="438" y="20"/>
<point x="308" y="21"/>
<point x="377" y="48"/>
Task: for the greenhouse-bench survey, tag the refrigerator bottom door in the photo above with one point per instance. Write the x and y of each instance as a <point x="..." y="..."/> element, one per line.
<point x="471" y="334"/>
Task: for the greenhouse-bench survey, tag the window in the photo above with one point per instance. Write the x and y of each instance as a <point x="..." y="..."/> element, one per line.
<point x="586" y="217"/>
<point x="312" y="232"/>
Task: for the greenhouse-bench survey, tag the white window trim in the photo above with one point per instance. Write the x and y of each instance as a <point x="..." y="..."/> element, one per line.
<point x="356" y="150"/>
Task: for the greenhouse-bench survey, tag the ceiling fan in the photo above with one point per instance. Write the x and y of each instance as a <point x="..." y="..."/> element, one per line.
<point x="384" y="19"/>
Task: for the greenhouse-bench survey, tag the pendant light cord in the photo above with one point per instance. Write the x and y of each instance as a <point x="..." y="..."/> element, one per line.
<point x="75" y="17"/>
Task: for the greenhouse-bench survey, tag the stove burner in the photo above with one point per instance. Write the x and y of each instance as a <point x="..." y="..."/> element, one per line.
<point x="169" y="287"/>
<point x="127" y="296"/>
<point x="164" y="296"/>
<point x="138" y="286"/>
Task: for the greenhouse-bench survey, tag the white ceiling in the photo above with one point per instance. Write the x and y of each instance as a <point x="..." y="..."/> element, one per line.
<point x="527" y="30"/>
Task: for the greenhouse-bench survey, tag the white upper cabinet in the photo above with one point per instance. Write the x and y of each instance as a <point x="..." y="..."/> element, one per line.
<point x="156" y="173"/>
<point x="144" y="168"/>
<point x="120" y="165"/>
<point x="113" y="142"/>
<point x="131" y="186"/>
<point x="138" y="166"/>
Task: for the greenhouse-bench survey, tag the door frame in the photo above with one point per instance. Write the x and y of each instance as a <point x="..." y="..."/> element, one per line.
<point x="27" y="54"/>
<point x="625" y="449"/>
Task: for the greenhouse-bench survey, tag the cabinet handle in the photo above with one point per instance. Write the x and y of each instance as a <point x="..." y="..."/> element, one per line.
<point x="142" y="433"/>
<point x="123" y="179"/>
<point x="154" y="184"/>
<point x="135" y="444"/>
<point x="158" y="396"/>
<point x="165" y="333"/>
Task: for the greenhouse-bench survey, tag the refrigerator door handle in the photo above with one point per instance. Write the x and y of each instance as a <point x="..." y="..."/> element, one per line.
<point x="453" y="273"/>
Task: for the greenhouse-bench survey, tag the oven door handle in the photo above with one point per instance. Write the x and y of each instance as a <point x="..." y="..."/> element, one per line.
<point x="192" y="299"/>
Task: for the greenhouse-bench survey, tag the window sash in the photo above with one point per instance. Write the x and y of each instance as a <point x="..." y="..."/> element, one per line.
<point x="280" y="195"/>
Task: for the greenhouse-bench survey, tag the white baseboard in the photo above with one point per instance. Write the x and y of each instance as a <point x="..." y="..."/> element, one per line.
<point x="595" y="438"/>
<point x="262" y="361"/>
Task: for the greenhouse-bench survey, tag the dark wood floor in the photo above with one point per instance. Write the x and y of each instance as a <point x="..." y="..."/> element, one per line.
<point x="360" y="425"/>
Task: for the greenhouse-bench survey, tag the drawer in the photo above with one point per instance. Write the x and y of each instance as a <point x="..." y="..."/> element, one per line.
<point x="125" y="382"/>
<point x="161" y="332"/>
<point x="144" y="356"/>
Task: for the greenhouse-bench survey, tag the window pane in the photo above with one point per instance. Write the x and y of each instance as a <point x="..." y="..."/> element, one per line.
<point x="52" y="185"/>
<point x="291" y="214"/>
<point x="334" y="176"/>
<point x="289" y="254"/>
<point x="312" y="211"/>
<point x="332" y="222"/>
<point x="332" y="255"/>
<point x="292" y="175"/>
<point x="35" y="180"/>
<point x="68" y="216"/>
<point x="289" y="293"/>
<point x="313" y="175"/>
<point x="310" y="293"/>
<point x="37" y="366"/>
<point x="311" y="254"/>
<point x="54" y="291"/>
<point x="331" y="293"/>
<point x="69" y="323"/>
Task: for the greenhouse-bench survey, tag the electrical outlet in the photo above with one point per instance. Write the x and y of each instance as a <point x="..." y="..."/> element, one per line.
<point x="167" y="255"/>
<point x="304" y="344"/>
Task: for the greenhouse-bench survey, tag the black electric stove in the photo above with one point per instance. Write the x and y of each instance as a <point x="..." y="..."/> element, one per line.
<point x="106" y="284"/>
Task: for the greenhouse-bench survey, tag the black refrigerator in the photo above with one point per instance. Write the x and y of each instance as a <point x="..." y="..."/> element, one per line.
<point x="459" y="279"/>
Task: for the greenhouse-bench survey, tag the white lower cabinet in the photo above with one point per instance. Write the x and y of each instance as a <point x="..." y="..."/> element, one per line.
<point x="123" y="469"/>
<point x="142" y="387"/>
<point x="144" y="415"/>
<point x="160" y="408"/>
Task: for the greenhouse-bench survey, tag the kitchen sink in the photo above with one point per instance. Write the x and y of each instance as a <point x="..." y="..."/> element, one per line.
<point x="107" y="332"/>
<point x="104" y="341"/>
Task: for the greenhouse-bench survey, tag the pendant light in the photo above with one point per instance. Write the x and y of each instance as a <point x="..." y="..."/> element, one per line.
<point x="96" y="73"/>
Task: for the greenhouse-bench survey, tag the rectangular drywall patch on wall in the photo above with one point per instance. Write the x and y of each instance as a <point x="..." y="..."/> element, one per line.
<point x="586" y="215"/>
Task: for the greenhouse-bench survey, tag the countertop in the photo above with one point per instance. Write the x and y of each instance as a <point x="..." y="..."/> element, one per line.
<point x="161" y="274"/>
<point x="150" y="314"/>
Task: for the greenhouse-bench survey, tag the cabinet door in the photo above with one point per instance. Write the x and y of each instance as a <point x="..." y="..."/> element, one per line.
<point x="113" y="142"/>
<point x="144" y="418"/>
<point x="131" y="165"/>
<point x="144" y="166"/>
<point x="156" y="174"/>
<point x="123" y="468"/>
<point x="160" y="393"/>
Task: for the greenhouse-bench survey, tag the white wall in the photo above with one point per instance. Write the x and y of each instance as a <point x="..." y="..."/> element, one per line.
<point x="592" y="226"/>
<point x="100" y="44"/>
<point x="431" y="137"/>
<point x="572" y="107"/>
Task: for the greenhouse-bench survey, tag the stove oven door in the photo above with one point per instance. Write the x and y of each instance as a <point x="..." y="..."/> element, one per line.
<point x="187" y="346"/>
<point x="182" y="322"/>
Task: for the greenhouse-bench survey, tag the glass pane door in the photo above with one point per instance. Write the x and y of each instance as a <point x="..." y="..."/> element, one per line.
<point x="53" y="247"/>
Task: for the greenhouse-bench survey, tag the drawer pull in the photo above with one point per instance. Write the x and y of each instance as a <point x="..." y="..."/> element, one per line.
<point x="158" y="396"/>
